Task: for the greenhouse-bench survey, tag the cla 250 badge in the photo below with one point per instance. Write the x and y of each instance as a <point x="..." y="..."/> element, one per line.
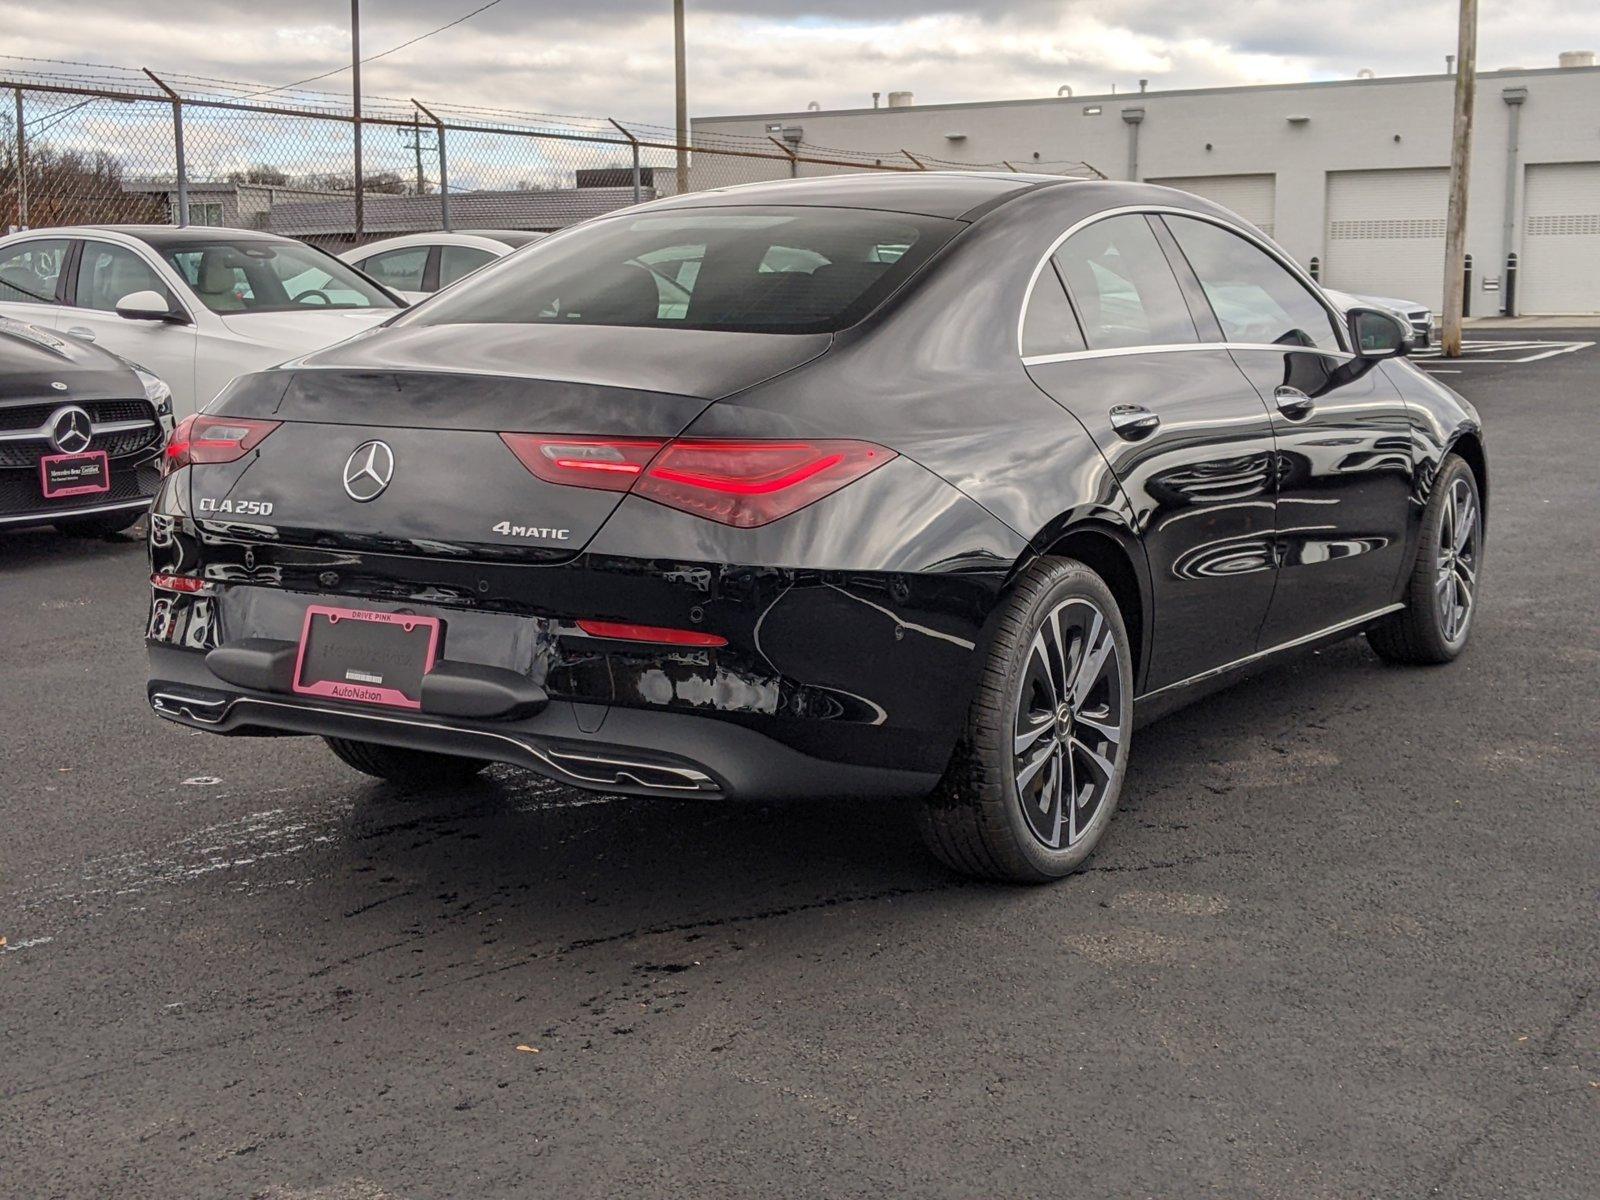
<point x="507" y="529"/>
<point x="236" y="508"/>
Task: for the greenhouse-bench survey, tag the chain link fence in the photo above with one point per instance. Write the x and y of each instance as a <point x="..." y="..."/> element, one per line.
<point x="82" y="144"/>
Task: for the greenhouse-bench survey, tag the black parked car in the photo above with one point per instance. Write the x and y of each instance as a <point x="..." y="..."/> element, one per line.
<point x="81" y="432"/>
<point x="924" y="484"/>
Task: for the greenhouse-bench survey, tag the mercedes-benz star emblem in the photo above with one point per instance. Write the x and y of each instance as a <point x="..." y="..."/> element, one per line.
<point x="368" y="470"/>
<point x="71" y="430"/>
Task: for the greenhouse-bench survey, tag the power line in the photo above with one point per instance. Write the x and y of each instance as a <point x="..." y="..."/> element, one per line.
<point x="381" y="54"/>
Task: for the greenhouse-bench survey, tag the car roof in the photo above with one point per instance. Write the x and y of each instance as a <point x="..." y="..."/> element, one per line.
<point x="156" y="235"/>
<point x="511" y="237"/>
<point x="166" y="236"/>
<point x="950" y="194"/>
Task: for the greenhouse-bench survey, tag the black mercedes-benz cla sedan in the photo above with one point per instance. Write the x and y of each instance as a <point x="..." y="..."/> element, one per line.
<point x="81" y="432"/>
<point x="924" y="485"/>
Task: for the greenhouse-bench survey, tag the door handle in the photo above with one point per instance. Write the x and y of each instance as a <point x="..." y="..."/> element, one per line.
<point x="1292" y="402"/>
<point x="1133" y="421"/>
<point x="79" y="331"/>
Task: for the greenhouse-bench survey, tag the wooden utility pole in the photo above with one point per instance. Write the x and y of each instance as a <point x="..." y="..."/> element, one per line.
<point x="1455" y="234"/>
<point x="680" y="70"/>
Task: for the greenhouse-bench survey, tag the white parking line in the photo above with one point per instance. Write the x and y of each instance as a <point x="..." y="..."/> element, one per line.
<point x="1520" y="351"/>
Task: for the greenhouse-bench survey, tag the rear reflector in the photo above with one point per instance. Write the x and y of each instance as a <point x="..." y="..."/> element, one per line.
<point x="203" y="439"/>
<point x="650" y="633"/>
<point x="740" y="483"/>
<point x="179" y="583"/>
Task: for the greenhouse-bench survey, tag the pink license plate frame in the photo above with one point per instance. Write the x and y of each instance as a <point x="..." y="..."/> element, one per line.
<point x="362" y="693"/>
<point x="91" y="489"/>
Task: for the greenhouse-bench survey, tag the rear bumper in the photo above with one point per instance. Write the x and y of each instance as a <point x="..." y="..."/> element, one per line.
<point x="850" y="676"/>
<point x="634" y="751"/>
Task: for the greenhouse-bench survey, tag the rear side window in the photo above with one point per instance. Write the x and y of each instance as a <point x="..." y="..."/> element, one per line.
<point x="28" y="272"/>
<point x="756" y="269"/>
<point x="1049" y="326"/>
<point x="399" y="269"/>
<point x="1255" y="298"/>
<point x="1123" y="287"/>
<point x="456" y="261"/>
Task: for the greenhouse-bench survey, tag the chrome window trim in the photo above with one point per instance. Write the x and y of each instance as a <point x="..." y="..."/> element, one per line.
<point x="1303" y="640"/>
<point x="1261" y="243"/>
<point x="1034" y="360"/>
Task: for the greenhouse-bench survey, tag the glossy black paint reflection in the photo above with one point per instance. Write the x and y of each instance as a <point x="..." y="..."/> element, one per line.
<point x="1343" y="476"/>
<point x="1201" y="487"/>
<point x="855" y="627"/>
<point x="867" y="660"/>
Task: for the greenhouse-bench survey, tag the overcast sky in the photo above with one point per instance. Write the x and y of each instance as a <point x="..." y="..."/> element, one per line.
<point x="614" y="57"/>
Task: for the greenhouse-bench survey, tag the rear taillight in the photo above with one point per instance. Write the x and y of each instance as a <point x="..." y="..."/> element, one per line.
<point x="204" y="439"/>
<point x="753" y="483"/>
<point x="740" y="483"/>
<point x="611" y="464"/>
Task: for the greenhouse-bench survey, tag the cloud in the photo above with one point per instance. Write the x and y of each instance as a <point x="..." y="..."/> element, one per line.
<point x="613" y="57"/>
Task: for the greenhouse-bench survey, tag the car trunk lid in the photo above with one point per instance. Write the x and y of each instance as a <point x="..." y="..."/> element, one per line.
<point x="393" y="446"/>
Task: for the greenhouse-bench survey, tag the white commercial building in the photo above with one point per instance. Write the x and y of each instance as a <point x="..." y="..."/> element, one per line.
<point x="1350" y="176"/>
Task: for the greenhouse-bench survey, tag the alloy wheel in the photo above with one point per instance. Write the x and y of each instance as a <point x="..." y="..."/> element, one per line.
<point x="1068" y="736"/>
<point x="1456" y="579"/>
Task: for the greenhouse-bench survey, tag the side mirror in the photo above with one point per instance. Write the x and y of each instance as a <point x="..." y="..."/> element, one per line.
<point x="149" y="305"/>
<point x="1378" y="333"/>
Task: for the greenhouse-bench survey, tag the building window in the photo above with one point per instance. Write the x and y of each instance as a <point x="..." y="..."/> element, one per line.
<point x="201" y="212"/>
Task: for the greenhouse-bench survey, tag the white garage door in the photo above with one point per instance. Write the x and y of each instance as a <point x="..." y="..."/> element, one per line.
<point x="1251" y="196"/>
<point x="1386" y="233"/>
<point x="1560" y="267"/>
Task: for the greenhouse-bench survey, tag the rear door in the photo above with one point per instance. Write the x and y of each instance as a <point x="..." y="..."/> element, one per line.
<point x="1185" y="433"/>
<point x="1343" y="437"/>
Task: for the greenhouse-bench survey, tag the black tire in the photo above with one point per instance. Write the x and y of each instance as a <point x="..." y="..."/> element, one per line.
<point x="399" y="765"/>
<point x="100" y="526"/>
<point x="985" y="819"/>
<point x="1433" y="626"/>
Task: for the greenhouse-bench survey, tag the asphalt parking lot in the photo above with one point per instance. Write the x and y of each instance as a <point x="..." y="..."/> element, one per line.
<point x="1341" y="940"/>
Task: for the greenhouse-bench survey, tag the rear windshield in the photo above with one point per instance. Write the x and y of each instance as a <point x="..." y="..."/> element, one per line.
<point x="760" y="270"/>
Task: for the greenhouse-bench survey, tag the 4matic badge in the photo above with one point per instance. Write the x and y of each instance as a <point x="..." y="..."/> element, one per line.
<point x="507" y="529"/>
